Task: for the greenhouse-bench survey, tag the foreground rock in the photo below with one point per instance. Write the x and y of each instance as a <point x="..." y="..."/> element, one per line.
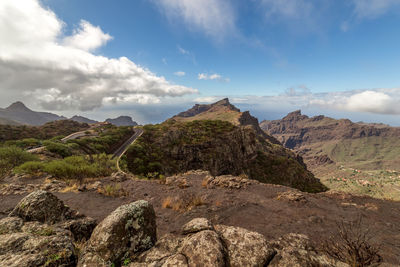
<point x="41" y="231"/>
<point x="202" y="244"/>
<point x="126" y="231"/>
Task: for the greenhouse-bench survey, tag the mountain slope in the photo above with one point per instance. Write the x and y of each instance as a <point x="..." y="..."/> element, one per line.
<point x="82" y="119"/>
<point x="223" y="110"/>
<point x="355" y="157"/>
<point x="19" y="113"/>
<point x="122" y="121"/>
<point x="188" y="141"/>
<point x="4" y="121"/>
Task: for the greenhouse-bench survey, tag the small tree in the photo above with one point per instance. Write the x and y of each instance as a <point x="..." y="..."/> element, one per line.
<point x="351" y="243"/>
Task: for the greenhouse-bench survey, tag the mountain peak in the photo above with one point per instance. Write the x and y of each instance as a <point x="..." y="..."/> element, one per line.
<point x="295" y="115"/>
<point x="225" y="102"/>
<point x="18" y="106"/>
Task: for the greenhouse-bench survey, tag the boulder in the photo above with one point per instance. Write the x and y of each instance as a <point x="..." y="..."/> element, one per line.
<point x="10" y="225"/>
<point x="127" y="231"/>
<point x="197" y="225"/>
<point x="245" y="248"/>
<point x="36" y="244"/>
<point x="42" y="206"/>
<point x="204" y="249"/>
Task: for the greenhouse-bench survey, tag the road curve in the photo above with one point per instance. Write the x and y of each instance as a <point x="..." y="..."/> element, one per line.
<point x="122" y="149"/>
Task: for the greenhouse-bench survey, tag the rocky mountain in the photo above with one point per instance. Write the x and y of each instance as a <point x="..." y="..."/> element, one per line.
<point x="360" y="158"/>
<point x="122" y="121"/>
<point x="82" y="119"/>
<point x="19" y="113"/>
<point x="221" y="139"/>
<point x="296" y="130"/>
<point x="225" y="111"/>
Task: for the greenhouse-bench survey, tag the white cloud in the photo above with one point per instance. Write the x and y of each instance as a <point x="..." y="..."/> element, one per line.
<point x="59" y="71"/>
<point x="373" y="8"/>
<point x="213" y="17"/>
<point x="183" y="51"/>
<point x="380" y="101"/>
<point x="87" y="37"/>
<point x="180" y="73"/>
<point x="215" y="76"/>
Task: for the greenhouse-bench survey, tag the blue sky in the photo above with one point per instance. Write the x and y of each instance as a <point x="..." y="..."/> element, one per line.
<point x="332" y="57"/>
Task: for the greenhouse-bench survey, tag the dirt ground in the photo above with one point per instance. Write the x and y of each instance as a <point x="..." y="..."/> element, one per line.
<point x="257" y="207"/>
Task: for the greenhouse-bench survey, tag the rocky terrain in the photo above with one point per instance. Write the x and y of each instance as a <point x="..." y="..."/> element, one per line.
<point x="233" y="222"/>
<point x="219" y="146"/>
<point x="356" y="157"/>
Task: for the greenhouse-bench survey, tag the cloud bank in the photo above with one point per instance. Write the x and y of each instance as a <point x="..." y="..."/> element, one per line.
<point x="62" y="72"/>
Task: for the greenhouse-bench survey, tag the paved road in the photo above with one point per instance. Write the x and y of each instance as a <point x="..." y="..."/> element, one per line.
<point x="122" y="149"/>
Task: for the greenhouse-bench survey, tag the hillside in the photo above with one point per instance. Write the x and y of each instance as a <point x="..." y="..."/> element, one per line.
<point x="46" y="131"/>
<point x="223" y="110"/>
<point x="188" y="141"/>
<point x="4" y="121"/>
<point x="122" y="121"/>
<point x="82" y="119"/>
<point x="19" y="113"/>
<point x="357" y="154"/>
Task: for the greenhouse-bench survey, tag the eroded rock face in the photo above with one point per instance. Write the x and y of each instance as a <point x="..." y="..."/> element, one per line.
<point x="127" y="231"/>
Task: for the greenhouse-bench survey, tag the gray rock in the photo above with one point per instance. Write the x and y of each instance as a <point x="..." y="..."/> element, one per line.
<point x="197" y="225"/>
<point x="128" y="230"/>
<point x="42" y="206"/>
<point x="245" y="248"/>
<point x="81" y="229"/>
<point x="204" y="249"/>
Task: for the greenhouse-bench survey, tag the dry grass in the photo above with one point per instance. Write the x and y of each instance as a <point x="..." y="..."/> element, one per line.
<point x="183" y="204"/>
<point x="72" y="188"/>
<point x="113" y="190"/>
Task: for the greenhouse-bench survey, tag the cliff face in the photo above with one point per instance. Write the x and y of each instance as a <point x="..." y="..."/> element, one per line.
<point x="221" y="148"/>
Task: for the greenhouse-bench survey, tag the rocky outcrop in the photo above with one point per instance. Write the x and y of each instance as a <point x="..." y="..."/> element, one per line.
<point x="197" y="109"/>
<point x="222" y="245"/>
<point x="41" y="231"/>
<point x="220" y="148"/>
<point x="127" y="231"/>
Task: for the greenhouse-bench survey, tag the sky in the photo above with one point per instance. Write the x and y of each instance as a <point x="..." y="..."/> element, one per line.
<point x="151" y="59"/>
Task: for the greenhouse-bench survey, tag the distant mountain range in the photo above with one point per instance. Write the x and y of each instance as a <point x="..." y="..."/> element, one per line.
<point x="362" y="145"/>
<point x="18" y="114"/>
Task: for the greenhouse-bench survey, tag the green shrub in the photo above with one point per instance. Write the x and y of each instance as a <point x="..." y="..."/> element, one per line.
<point x="12" y="156"/>
<point x="58" y="148"/>
<point x="30" y="167"/>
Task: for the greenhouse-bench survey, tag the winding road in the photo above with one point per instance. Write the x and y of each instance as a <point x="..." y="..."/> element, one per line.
<point x="122" y="149"/>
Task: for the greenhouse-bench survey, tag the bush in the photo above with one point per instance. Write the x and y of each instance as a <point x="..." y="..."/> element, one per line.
<point x="58" y="148"/>
<point x="74" y="167"/>
<point x="13" y="156"/>
<point x="30" y="167"/>
<point x="351" y="243"/>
